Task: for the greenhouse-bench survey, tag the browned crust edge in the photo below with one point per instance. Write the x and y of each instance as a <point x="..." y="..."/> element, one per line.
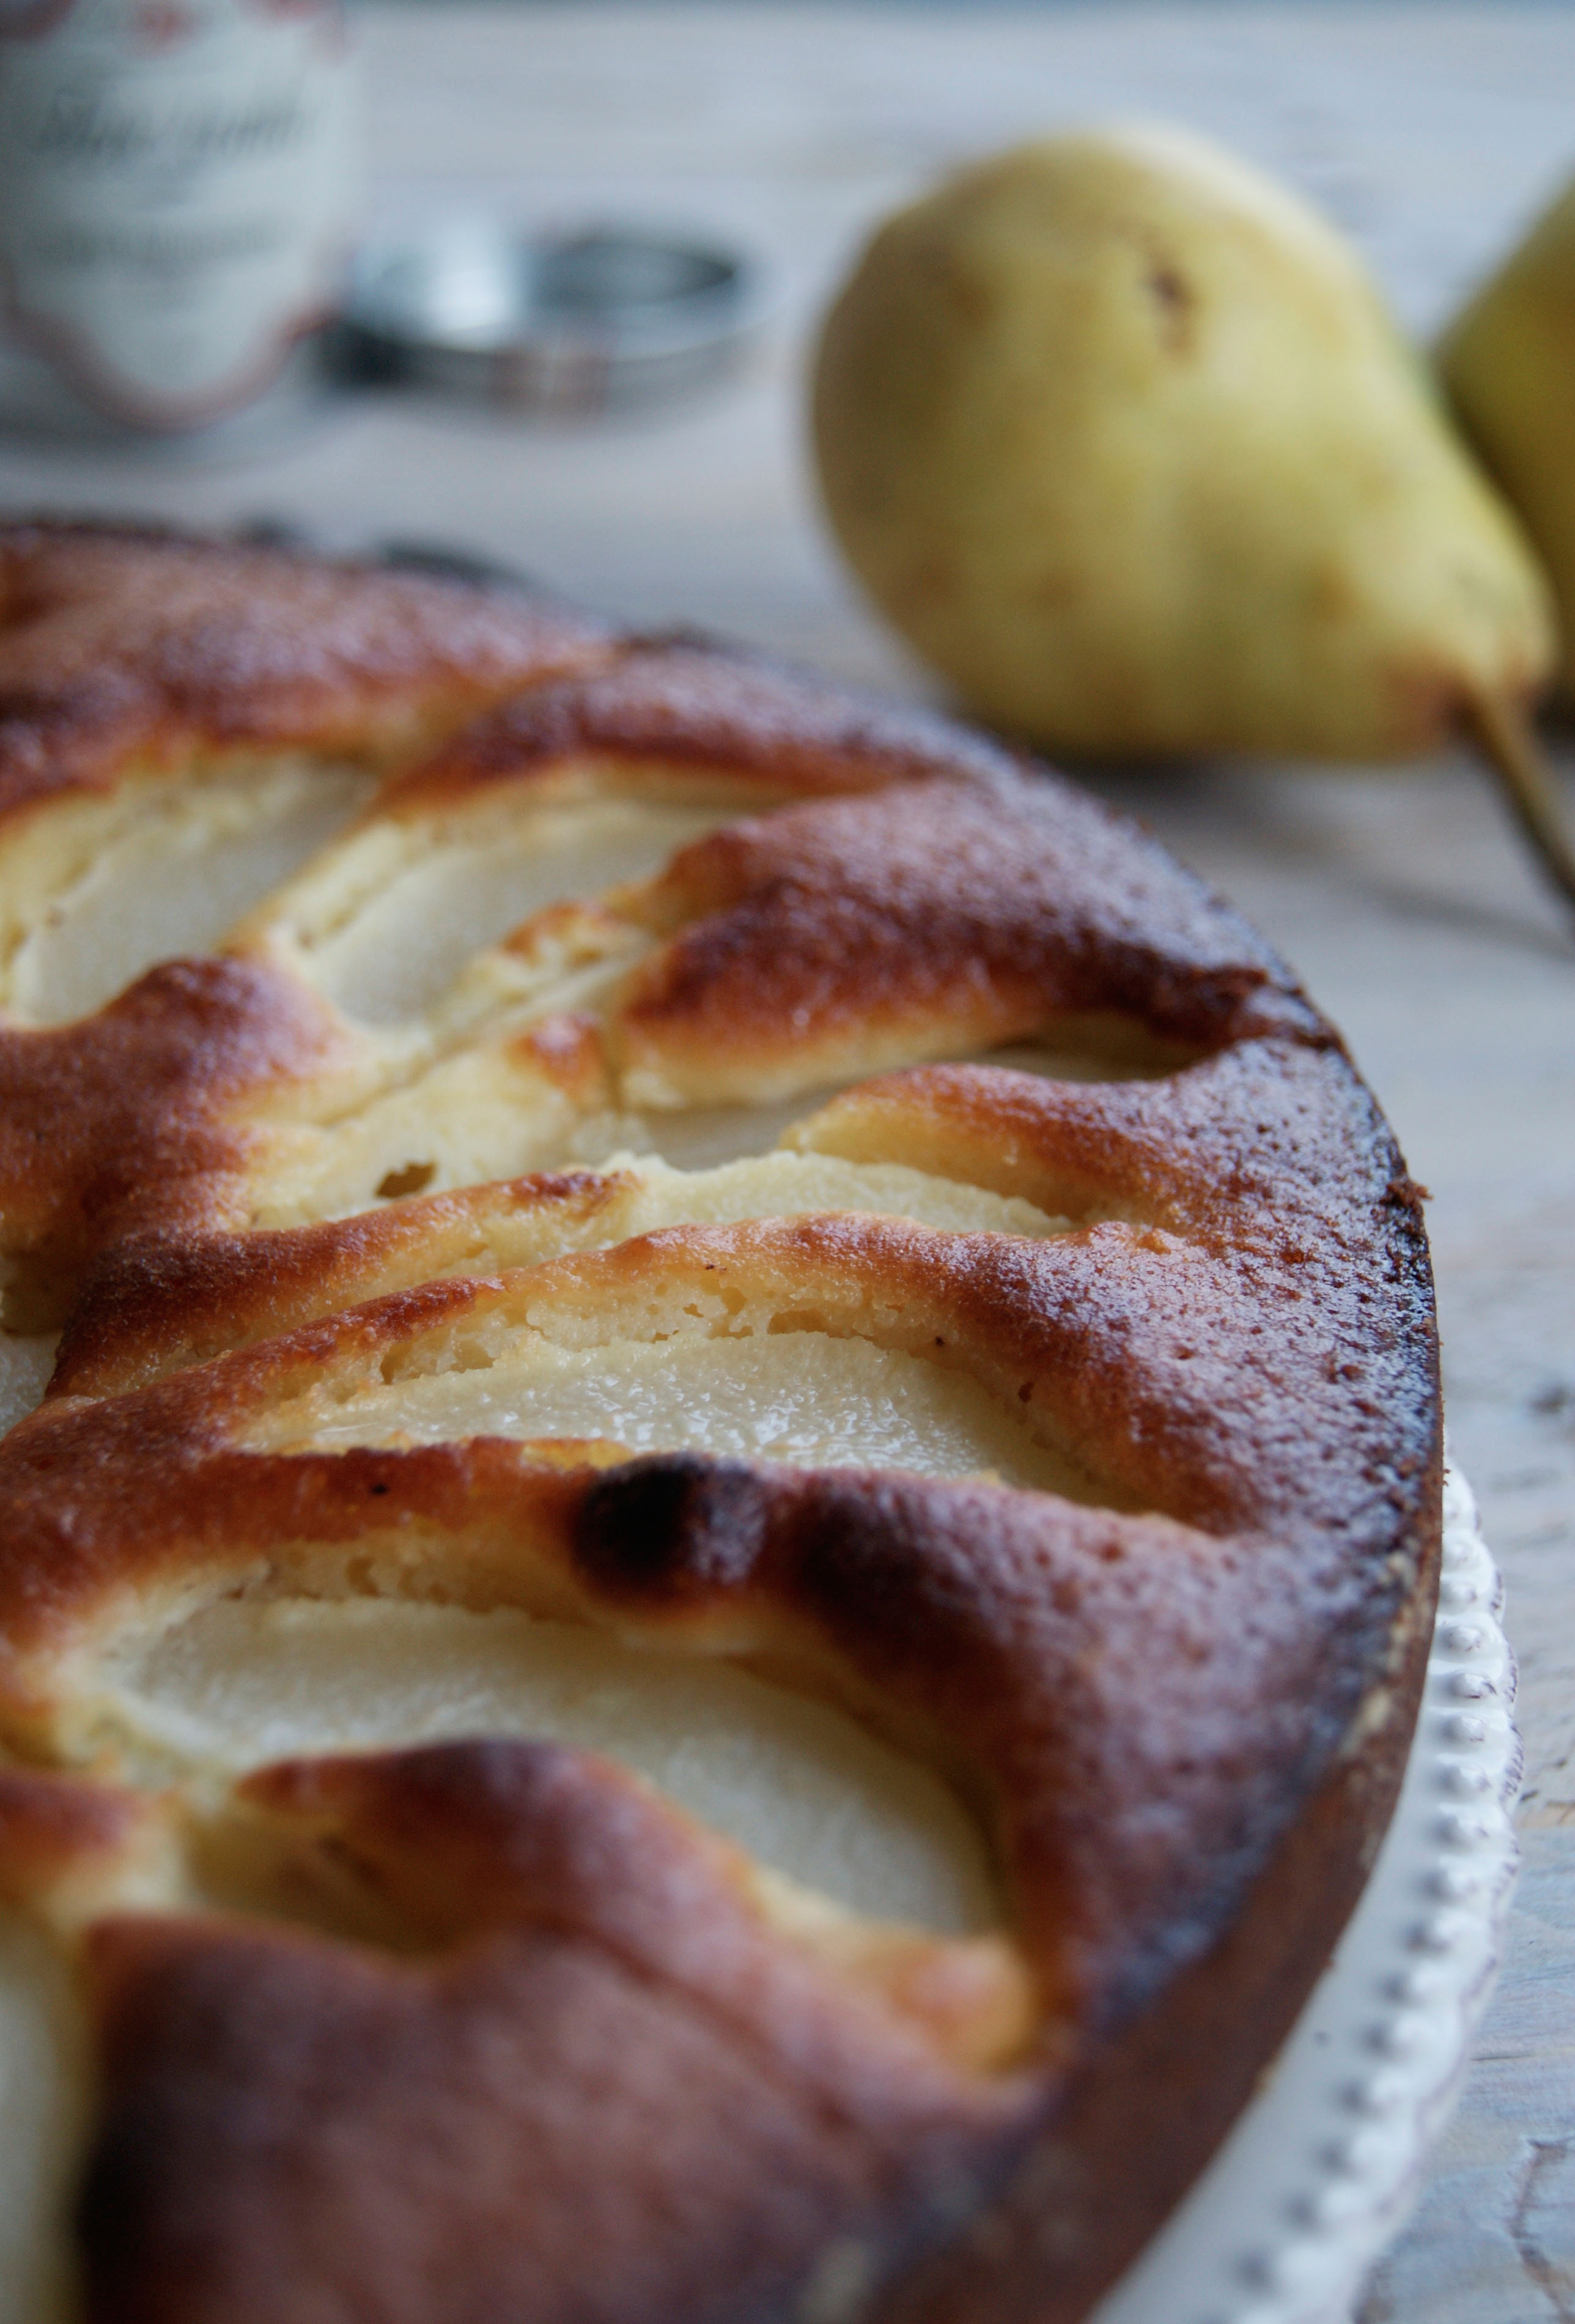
<point x="1089" y="2195"/>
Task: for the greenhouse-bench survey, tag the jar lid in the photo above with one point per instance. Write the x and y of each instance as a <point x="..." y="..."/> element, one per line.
<point x="575" y="322"/>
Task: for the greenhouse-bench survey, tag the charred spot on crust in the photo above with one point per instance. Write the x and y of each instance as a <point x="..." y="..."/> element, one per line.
<point x="674" y="1526"/>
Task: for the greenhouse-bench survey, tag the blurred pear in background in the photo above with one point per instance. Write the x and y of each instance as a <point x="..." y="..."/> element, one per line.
<point x="1118" y="434"/>
<point x="1508" y="362"/>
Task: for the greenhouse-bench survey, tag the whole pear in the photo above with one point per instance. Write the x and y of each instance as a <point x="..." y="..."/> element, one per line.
<point x="1118" y="434"/>
<point x="1508" y="362"/>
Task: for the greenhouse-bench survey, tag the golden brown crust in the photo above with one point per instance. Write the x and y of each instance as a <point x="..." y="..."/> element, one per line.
<point x="944" y="916"/>
<point x="1083" y="2195"/>
<point x="1267" y="1141"/>
<point x="54" y="1829"/>
<point x="595" y="2074"/>
<point x="117" y="643"/>
<point x="1134" y="1694"/>
<point x="119" y="1122"/>
<point x="1282" y="1293"/>
<point x="1143" y="1705"/>
<point x="691" y="708"/>
<point x="1126" y="1340"/>
<point x="156" y="1303"/>
<point x="829" y="938"/>
<point x="950" y="914"/>
<point x="420" y="2136"/>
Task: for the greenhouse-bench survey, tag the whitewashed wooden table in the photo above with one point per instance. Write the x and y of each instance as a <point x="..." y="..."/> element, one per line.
<point x="1428" y="132"/>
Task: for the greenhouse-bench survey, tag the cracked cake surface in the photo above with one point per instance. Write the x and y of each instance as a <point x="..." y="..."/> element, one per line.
<point x="722" y="1491"/>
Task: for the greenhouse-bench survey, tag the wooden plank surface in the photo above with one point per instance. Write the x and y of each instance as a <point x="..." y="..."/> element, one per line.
<point x="1428" y="132"/>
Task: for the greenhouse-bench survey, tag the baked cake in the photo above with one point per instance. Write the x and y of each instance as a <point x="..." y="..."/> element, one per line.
<point x="727" y="1564"/>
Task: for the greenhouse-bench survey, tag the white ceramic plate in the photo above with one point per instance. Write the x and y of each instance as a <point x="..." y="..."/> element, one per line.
<point x="1319" y="2171"/>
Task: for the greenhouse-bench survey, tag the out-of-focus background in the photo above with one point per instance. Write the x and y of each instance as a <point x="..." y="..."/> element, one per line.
<point x="1430" y="134"/>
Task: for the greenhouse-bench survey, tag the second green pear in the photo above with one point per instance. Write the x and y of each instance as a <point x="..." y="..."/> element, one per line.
<point x="1117" y="432"/>
<point x="1508" y="361"/>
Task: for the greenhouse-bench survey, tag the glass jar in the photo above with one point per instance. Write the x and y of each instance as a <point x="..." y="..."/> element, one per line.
<point x="177" y="189"/>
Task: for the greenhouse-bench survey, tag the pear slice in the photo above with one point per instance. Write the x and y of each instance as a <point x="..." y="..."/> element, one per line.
<point x="1119" y="435"/>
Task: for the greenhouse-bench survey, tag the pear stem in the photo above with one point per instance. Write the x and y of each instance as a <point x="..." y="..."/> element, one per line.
<point x="1506" y="739"/>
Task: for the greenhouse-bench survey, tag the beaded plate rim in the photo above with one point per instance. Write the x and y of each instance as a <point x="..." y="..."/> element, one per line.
<point x="1323" y="2167"/>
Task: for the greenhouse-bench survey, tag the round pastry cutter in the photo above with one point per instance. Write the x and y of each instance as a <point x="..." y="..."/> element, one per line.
<point x="580" y="322"/>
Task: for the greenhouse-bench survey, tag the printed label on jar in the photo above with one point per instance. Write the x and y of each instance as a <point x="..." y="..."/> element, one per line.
<point x="176" y="182"/>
